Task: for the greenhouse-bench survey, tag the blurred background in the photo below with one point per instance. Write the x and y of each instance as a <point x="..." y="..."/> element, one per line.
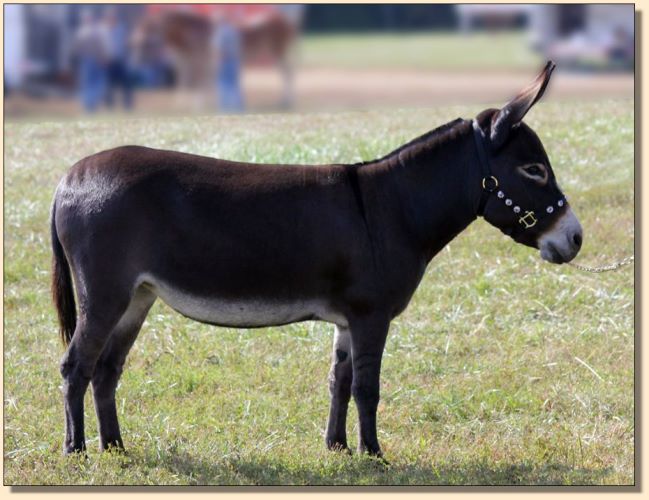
<point x="63" y="60"/>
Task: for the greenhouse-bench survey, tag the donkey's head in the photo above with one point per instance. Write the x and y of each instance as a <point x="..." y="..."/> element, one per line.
<point x="521" y="196"/>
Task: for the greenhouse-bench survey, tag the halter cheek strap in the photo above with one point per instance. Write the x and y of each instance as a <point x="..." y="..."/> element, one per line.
<point x="526" y="218"/>
<point x="489" y="182"/>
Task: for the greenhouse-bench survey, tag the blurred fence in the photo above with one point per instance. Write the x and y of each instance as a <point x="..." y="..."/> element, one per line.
<point x="225" y="57"/>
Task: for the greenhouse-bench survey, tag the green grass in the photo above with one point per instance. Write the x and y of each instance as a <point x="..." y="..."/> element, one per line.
<point x="484" y="378"/>
<point x="427" y="51"/>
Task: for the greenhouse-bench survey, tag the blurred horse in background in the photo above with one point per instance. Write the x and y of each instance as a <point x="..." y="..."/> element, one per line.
<point x="268" y="35"/>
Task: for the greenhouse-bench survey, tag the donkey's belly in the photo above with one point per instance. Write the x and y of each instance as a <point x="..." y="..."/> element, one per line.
<point x="243" y="313"/>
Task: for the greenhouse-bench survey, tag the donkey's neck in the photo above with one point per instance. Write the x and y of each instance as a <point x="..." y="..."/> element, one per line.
<point x="435" y="179"/>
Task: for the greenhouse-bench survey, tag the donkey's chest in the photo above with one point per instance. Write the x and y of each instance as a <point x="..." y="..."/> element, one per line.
<point x="243" y="312"/>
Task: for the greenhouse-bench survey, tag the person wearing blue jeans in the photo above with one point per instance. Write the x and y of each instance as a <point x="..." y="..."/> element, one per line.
<point x="92" y="83"/>
<point x="228" y="44"/>
<point x="119" y="77"/>
<point x="90" y="48"/>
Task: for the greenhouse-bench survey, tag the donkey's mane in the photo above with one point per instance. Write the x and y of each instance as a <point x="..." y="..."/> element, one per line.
<point x="429" y="140"/>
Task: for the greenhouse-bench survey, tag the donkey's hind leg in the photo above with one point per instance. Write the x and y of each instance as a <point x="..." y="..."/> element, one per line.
<point x="340" y="383"/>
<point x="110" y="364"/>
<point x="93" y="329"/>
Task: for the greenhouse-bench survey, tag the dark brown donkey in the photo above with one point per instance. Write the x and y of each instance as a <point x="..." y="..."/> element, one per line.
<point x="244" y="245"/>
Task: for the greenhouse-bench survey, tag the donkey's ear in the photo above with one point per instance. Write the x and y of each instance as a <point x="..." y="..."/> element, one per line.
<point x="503" y="121"/>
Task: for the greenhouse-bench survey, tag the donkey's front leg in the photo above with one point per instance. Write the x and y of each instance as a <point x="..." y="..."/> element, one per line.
<point x="368" y="339"/>
<point x="340" y="386"/>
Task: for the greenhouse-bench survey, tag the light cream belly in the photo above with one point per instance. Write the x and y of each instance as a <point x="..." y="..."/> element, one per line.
<point x="240" y="313"/>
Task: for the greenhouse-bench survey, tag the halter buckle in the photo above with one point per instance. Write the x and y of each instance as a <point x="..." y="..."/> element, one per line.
<point x="489" y="184"/>
<point x="528" y="220"/>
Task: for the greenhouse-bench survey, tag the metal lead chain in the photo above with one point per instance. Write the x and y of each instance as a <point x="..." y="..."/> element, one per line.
<point x="603" y="269"/>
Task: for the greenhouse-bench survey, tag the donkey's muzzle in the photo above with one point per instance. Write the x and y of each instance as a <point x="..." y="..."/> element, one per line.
<point x="562" y="242"/>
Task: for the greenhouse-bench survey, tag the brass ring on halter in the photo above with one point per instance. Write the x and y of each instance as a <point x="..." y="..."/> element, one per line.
<point x="492" y="188"/>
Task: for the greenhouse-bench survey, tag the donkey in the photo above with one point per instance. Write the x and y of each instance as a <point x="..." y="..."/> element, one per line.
<point x="269" y="38"/>
<point x="249" y="245"/>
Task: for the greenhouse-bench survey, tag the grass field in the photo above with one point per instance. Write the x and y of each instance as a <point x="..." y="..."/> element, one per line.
<point x="504" y="369"/>
<point x="421" y="51"/>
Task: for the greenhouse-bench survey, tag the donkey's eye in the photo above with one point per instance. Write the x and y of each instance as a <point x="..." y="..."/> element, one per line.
<point x="535" y="171"/>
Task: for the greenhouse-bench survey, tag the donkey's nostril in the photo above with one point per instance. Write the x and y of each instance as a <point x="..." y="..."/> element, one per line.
<point x="577" y="239"/>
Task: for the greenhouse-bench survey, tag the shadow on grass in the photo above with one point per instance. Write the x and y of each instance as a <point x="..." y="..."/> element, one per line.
<point x="356" y="472"/>
<point x="362" y="471"/>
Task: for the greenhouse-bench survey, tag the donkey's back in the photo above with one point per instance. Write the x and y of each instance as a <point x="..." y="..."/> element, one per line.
<point x="222" y="242"/>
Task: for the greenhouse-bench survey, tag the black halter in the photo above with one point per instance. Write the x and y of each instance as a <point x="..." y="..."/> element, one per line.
<point x="528" y="218"/>
<point x="489" y="182"/>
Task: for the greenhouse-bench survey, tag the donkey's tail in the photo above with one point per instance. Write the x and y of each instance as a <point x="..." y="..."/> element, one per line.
<point x="62" y="290"/>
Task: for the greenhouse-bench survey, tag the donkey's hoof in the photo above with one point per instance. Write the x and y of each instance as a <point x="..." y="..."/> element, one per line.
<point x="113" y="449"/>
<point x="340" y="446"/>
<point x="72" y="448"/>
<point x="376" y="456"/>
<point x="75" y="452"/>
<point x="378" y="460"/>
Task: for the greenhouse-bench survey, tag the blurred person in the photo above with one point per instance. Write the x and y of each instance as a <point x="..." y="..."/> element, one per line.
<point x="149" y="62"/>
<point x="227" y="43"/>
<point x="118" y="70"/>
<point x="90" y="47"/>
<point x="621" y="49"/>
<point x="15" y="31"/>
